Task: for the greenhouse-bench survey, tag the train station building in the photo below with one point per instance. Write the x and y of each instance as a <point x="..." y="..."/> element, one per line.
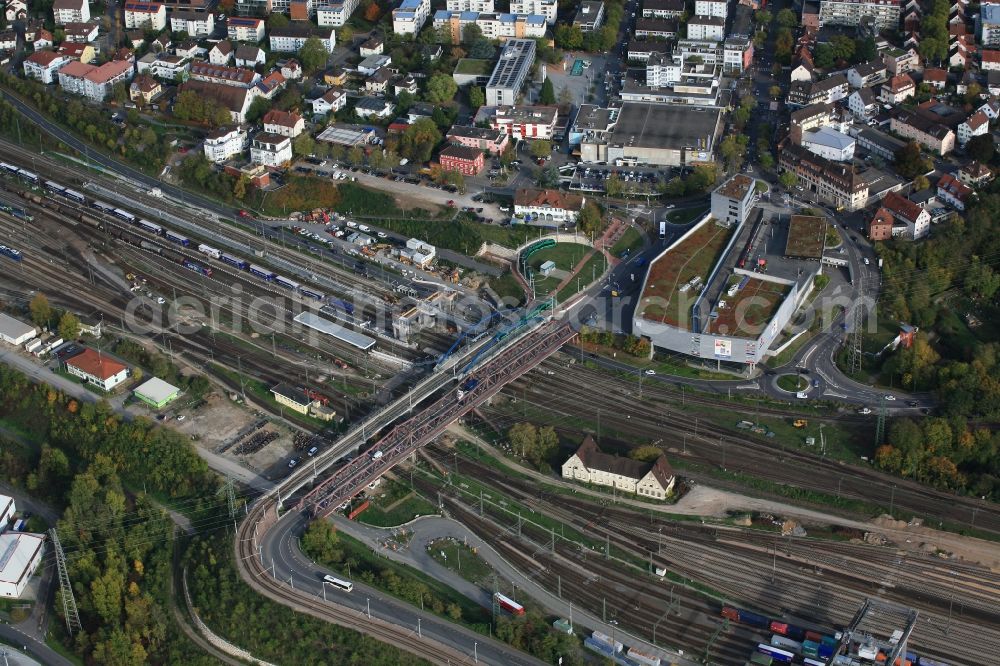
<point x="590" y="465"/>
<point x="97" y="368"/>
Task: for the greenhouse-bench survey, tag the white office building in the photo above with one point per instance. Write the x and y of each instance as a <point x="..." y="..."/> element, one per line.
<point x="225" y="143"/>
<point x="410" y="16"/>
<point x="511" y="71"/>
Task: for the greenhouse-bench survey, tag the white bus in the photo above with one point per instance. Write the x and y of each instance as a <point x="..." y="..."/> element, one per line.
<point x="344" y="585"/>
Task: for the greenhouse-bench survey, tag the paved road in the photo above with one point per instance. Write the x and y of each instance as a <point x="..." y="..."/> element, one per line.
<point x="281" y="553"/>
<point x="34" y="648"/>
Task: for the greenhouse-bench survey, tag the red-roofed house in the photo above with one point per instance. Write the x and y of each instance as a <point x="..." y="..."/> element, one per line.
<point x="466" y="161"/>
<point x="283" y="123"/>
<point x="990" y="60"/>
<point x="953" y="192"/>
<point x="898" y="89"/>
<point x="549" y="206"/>
<point x="975" y="125"/>
<point x="98" y="369"/>
<point x="94" y="82"/>
<point x="83" y="52"/>
<point x="880" y="227"/>
<point x="936" y="78"/>
<point x="43" y="65"/>
<point x="916" y="219"/>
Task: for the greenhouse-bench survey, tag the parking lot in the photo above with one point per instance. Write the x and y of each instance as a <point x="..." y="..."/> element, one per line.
<point x="593" y="178"/>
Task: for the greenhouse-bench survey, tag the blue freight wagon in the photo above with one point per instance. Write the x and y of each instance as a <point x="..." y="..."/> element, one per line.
<point x="261" y="272"/>
<point x="234" y="261"/>
<point x="754" y="620"/>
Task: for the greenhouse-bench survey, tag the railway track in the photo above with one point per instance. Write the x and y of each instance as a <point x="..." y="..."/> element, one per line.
<point x="821" y="580"/>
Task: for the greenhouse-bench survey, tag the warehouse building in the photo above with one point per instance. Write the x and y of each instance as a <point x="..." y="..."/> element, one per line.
<point x="297" y="400"/>
<point x="156" y="393"/>
<point x="14" y="331"/>
<point x="657" y="135"/>
<point x="590" y="465"/>
<point x="20" y="555"/>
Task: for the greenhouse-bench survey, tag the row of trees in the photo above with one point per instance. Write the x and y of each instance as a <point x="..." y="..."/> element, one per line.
<point x="537" y="445"/>
<point x="44" y="316"/>
<point x="630" y="344"/>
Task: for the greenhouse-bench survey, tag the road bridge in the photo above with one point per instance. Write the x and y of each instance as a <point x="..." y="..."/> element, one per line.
<point x="517" y="358"/>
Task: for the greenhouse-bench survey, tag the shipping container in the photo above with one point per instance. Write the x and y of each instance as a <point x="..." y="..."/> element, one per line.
<point x="778" y="654"/>
<point x="643" y="657"/>
<point x="810" y="648"/>
<point x="786" y="643"/>
<point x="616" y="646"/>
<point x="754" y="620"/>
<point x="761" y="659"/>
<point x="509" y="604"/>
<point x="779" y="627"/>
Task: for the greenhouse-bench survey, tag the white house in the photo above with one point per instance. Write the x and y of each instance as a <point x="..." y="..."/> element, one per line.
<point x="43" y="65"/>
<point x="711" y="8"/>
<point x="550" y="206"/>
<point x="97" y="368"/>
<point x="590" y="465"/>
<point x="863" y="104"/>
<point x="249" y="56"/>
<point x="374" y="107"/>
<point x="221" y="53"/>
<point x="271" y="150"/>
<point x="710" y="28"/>
<point x="373" y="63"/>
<point x="245" y="29"/>
<point x="899" y="89"/>
<point x="94" y="82"/>
<point x="283" y="123"/>
<point x="335" y="12"/>
<point x="410" y="16"/>
<point x="953" y="192"/>
<point x="14" y="331"/>
<point x="70" y="11"/>
<point x="15" y="9"/>
<point x="291" y="39"/>
<point x="975" y="125"/>
<point x="332" y="101"/>
<point x="147" y="15"/>
<point x="916" y="219"/>
<point x="195" y="24"/>
<point x="224" y="143"/>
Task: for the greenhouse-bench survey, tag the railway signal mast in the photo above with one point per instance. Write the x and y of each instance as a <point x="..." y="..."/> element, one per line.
<point x="858" y="316"/>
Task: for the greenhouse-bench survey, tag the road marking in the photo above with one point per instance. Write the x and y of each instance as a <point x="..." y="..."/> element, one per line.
<point x="833" y="395"/>
<point x="751" y="387"/>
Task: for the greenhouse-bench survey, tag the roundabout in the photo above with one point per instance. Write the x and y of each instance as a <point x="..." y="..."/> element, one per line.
<point x="792" y="383"/>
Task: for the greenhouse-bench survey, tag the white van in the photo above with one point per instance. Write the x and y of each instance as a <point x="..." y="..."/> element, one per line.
<point x="376" y="455"/>
<point x="364" y="228"/>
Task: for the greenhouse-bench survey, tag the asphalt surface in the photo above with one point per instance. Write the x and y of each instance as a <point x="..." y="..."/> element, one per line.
<point x="280" y="552"/>
<point x="34" y="648"/>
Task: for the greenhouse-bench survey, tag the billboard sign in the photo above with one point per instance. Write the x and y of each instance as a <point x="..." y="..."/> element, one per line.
<point x="723" y="348"/>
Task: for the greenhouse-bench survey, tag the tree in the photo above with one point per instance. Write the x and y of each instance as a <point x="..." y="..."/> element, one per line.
<point x="590" y="221"/>
<point x="522" y="437"/>
<point x="541" y="148"/>
<point x="419" y="140"/>
<point x="766" y="160"/>
<point x="479" y="46"/>
<point x="910" y="161"/>
<point x="303" y="144"/>
<point x="787" y="18"/>
<point x="346" y="35"/>
<point x="477" y="97"/>
<point x="823" y="56"/>
<point x="565" y="96"/>
<point x="69" y="326"/>
<point x="41" y="311"/>
<point x="981" y="148"/>
<point x="647" y="453"/>
<point x="921" y="183"/>
<point x="774" y="91"/>
<point x="788" y="179"/>
<point x="441" y="88"/>
<point x="843" y="47"/>
<point x="981" y="280"/>
<point x="547" y="95"/>
<point x="614" y="186"/>
<point x="783" y="43"/>
<point x="865" y="50"/>
<point x="277" y="20"/>
<point x="313" y="55"/>
<point x="547" y="176"/>
<point x="732" y="149"/>
<point x="763" y="17"/>
<point x="321" y="541"/>
<point x="569" y="37"/>
<point x="240" y="187"/>
<point x="372" y="12"/>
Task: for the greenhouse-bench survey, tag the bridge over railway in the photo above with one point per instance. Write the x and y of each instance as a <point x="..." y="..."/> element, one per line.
<point x="514" y="360"/>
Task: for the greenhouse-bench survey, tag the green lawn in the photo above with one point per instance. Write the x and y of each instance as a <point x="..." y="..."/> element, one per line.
<point x="565" y="256"/>
<point x="474" y="66"/>
<point x="631" y="240"/>
<point x="394" y="504"/>
<point x="792" y="383"/>
<point x="507" y="287"/>
<point x="591" y="271"/>
<point x="461" y="559"/>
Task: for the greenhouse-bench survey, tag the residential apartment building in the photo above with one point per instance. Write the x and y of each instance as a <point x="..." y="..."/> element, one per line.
<point x="884" y="14"/>
<point x="916" y="219"/>
<point x="737" y="54"/>
<point x="493" y="26"/>
<point x="590" y="15"/>
<point x="464" y="160"/>
<point x="898" y="89"/>
<point x="867" y="74"/>
<point x="225" y="143"/>
<point x="989" y="24"/>
<point x="975" y="125"/>
<point x="291" y="38"/>
<point x="710" y="28"/>
<point x="221" y="53"/>
<point x="479" y="6"/>
<point x="283" y="123"/>
<point x="880" y="228"/>
<point x="901" y="61"/>
<point x="249" y="56"/>
<point x="145" y="15"/>
<point x="335" y="13"/>
<point x="81" y="33"/>
<point x="144" y="89"/>
<point x="227" y="76"/>
<point x="733" y="200"/>
<point x="93" y="82"/>
<point x="831" y="89"/>
<point x="245" y="29"/>
<point x="931" y="135"/>
<point x="43" y="65"/>
<point x="271" y="150"/>
<point x="492" y="141"/>
<point x="70" y="11"/>
<point x="656" y="28"/>
<point x="837" y="183"/>
<point x="164" y="67"/>
<point x="662" y="8"/>
<point x="511" y="72"/>
<point x="717" y="8"/>
<point x="590" y="465"/>
<point x="863" y="104"/>
<point x="410" y="16"/>
<point x="195" y="24"/>
<point x="546" y="8"/>
<point x="524" y="122"/>
<point x="954" y="192"/>
<point x="236" y="100"/>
